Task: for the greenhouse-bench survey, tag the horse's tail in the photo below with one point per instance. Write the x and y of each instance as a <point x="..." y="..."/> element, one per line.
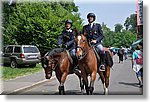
<point x="109" y="60"/>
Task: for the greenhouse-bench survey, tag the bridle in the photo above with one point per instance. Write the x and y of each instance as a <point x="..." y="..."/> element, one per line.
<point x="83" y="49"/>
<point x="50" y="68"/>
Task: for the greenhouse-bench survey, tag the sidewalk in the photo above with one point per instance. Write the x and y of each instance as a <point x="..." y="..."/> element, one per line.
<point x="22" y="82"/>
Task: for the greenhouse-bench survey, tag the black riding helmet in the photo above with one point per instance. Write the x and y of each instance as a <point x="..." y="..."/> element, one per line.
<point x="91" y="15"/>
<point x="68" y="21"/>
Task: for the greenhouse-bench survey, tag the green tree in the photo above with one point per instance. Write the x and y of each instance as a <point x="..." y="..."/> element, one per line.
<point x="38" y="23"/>
<point x="131" y="23"/>
<point x="117" y="39"/>
<point x="108" y="35"/>
<point x="118" y="27"/>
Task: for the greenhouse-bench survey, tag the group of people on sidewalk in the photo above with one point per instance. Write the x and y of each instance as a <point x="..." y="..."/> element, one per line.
<point x="137" y="61"/>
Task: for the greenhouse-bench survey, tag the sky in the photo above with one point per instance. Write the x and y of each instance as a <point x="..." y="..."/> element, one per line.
<point x="110" y="12"/>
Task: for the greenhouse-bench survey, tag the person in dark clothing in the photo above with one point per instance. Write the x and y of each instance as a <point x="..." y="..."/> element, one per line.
<point x="120" y="54"/>
<point x="93" y="32"/>
<point x="66" y="39"/>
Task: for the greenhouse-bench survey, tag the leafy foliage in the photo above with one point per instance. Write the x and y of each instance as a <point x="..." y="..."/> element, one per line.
<point x="118" y="27"/>
<point x="117" y="39"/>
<point x="38" y="23"/>
<point x="130" y="23"/>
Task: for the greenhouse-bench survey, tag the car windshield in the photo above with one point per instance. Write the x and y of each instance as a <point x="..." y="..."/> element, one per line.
<point x="30" y="50"/>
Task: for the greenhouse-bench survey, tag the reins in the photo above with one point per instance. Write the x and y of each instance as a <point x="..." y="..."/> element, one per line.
<point x="91" y="47"/>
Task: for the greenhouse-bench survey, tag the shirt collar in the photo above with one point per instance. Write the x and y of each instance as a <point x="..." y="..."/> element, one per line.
<point x="91" y="24"/>
<point x="69" y="30"/>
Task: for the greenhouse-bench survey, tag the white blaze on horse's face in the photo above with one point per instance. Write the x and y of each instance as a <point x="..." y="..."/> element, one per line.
<point x="79" y="38"/>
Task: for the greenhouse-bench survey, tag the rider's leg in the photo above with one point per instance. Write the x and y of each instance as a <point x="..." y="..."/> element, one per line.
<point x="75" y="61"/>
<point x="101" y="49"/>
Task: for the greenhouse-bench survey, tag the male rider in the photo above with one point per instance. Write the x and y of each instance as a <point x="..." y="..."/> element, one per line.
<point x="94" y="34"/>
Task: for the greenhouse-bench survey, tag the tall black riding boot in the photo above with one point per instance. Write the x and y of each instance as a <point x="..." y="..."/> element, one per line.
<point x="102" y="66"/>
<point x="75" y="63"/>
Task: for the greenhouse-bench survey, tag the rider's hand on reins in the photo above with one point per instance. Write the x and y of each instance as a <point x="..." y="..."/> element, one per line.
<point x="93" y="41"/>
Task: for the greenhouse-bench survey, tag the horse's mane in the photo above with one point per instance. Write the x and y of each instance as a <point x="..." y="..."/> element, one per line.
<point x="55" y="51"/>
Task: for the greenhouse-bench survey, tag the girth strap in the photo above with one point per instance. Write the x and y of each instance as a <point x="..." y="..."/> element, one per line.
<point x="69" y="56"/>
<point x="97" y="55"/>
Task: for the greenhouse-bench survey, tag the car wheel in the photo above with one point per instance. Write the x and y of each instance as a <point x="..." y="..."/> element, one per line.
<point x="13" y="64"/>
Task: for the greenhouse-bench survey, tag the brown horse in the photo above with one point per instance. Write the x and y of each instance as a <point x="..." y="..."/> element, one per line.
<point x="58" y="60"/>
<point x="89" y="64"/>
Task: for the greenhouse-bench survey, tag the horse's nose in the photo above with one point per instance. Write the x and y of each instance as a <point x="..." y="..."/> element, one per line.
<point x="78" y="49"/>
<point x="79" y="56"/>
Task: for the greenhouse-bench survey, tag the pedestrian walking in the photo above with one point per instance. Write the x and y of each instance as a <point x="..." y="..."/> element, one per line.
<point x="137" y="64"/>
<point x="125" y="53"/>
<point x="120" y="54"/>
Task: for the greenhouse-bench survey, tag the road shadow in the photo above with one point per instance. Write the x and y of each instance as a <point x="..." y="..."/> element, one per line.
<point x="129" y="84"/>
<point x="74" y="92"/>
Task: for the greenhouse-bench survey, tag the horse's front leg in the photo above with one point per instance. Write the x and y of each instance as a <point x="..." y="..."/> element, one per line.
<point x="81" y="80"/>
<point x="81" y="83"/>
<point x="85" y="81"/>
<point x="92" y="80"/>
<point x="61" y="86"/>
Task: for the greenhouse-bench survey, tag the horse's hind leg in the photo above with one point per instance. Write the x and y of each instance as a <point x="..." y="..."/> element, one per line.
<point x="106" y="84"/>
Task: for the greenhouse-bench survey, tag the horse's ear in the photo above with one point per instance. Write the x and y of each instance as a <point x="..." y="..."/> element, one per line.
<point x="80" y="32"/>
<point x="77" y="32"/>
<point x="84" y="31"/>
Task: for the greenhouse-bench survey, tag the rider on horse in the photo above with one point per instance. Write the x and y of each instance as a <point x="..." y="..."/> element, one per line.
<point x="66" y="39"/>
<point x="94" y="34"/>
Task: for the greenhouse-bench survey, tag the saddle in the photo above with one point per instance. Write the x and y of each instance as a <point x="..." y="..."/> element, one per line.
<point x="98" y="55"/>
<point x="69" y="56"/>
<point x="72" y="60"/>
<point x="108" y="59"/>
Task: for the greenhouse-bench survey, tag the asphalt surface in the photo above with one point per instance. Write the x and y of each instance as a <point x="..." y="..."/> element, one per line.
<point x="123" y="81"/>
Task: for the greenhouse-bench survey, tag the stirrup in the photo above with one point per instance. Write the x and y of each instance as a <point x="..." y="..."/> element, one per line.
<point x="102" y="68"/>
<point x="76" y="68"/>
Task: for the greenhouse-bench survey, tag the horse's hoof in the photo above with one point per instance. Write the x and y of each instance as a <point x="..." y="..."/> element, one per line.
<point x="91" y="90"/>
<point x="82" y="92"/>
<point x="61" y="90"/>
<point x="106" y="91"/>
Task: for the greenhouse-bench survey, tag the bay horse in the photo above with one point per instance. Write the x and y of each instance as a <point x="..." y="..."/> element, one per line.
<point x="57" y="60"/>
<point x="89" y="64"/>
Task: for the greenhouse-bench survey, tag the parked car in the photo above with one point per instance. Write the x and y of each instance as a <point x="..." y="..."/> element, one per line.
<point x="16" y="55"/>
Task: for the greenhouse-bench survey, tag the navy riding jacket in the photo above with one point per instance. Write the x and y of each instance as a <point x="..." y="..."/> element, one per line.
<point x="67" y="38"/>
<point x="94" y="33"/>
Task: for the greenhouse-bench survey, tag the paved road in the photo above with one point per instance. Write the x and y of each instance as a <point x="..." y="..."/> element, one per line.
<point x="122" y="81"/>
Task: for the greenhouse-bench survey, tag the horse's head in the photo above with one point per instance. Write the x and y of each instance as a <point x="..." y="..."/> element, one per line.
<point x="81" y="42"/>
<point x="48" y="65"/>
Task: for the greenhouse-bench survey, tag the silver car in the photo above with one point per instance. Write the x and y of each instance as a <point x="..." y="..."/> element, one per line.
<point x="16" y="55"/>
